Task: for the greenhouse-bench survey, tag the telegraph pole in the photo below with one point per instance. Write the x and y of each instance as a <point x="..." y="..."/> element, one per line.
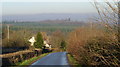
<point x="8" y="28"/>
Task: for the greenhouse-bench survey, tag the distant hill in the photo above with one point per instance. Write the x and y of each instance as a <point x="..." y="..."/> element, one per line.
<point x="50" y="16"/>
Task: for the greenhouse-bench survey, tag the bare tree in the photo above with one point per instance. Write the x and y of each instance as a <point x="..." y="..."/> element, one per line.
<point x="108" y="14"/>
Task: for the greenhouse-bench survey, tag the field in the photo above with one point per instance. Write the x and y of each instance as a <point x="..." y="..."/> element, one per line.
<point x="46" y="26"/>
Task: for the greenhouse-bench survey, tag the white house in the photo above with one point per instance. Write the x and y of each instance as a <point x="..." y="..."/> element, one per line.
<point x="46" y="44"/>
<point x="32" y="40"/>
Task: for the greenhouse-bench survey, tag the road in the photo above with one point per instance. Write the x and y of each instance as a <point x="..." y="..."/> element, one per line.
<point x="58" y="58"/>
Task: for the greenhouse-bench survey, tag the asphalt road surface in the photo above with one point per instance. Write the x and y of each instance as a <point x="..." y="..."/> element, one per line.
<point x="58" y="58"/>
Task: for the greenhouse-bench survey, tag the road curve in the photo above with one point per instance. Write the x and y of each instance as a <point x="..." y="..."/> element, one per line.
<point x="58" y="58"/>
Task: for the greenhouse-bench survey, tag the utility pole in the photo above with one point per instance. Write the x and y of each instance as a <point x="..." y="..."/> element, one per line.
<point x="8" y="28"/>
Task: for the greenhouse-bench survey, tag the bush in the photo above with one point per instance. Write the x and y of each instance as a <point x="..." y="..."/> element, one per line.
<point x="63" y="45"/>
<point x="17" y="39"/>
<point x="104" y="49"/>
<point x="94" y="47"/>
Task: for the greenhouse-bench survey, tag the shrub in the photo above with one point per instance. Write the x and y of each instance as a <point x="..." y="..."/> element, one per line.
<point x="17" y="39"/>
<point x="94" y="47"/>
<point x="63" y="45"/>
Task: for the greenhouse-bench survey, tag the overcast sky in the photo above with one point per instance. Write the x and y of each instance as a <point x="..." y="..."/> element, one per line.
<point x="11" y="8"/>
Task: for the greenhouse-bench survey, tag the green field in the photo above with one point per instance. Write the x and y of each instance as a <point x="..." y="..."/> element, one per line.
<point x="46" y="26"/>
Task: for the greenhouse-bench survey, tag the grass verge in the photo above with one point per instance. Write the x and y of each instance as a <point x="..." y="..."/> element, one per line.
<point x="31" y="60"/>
<point x="72" y="61"/>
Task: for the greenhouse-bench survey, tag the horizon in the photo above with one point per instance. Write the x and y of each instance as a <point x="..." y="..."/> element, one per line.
<point x="29" y="11"/>
<point x="49" y="16"/>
